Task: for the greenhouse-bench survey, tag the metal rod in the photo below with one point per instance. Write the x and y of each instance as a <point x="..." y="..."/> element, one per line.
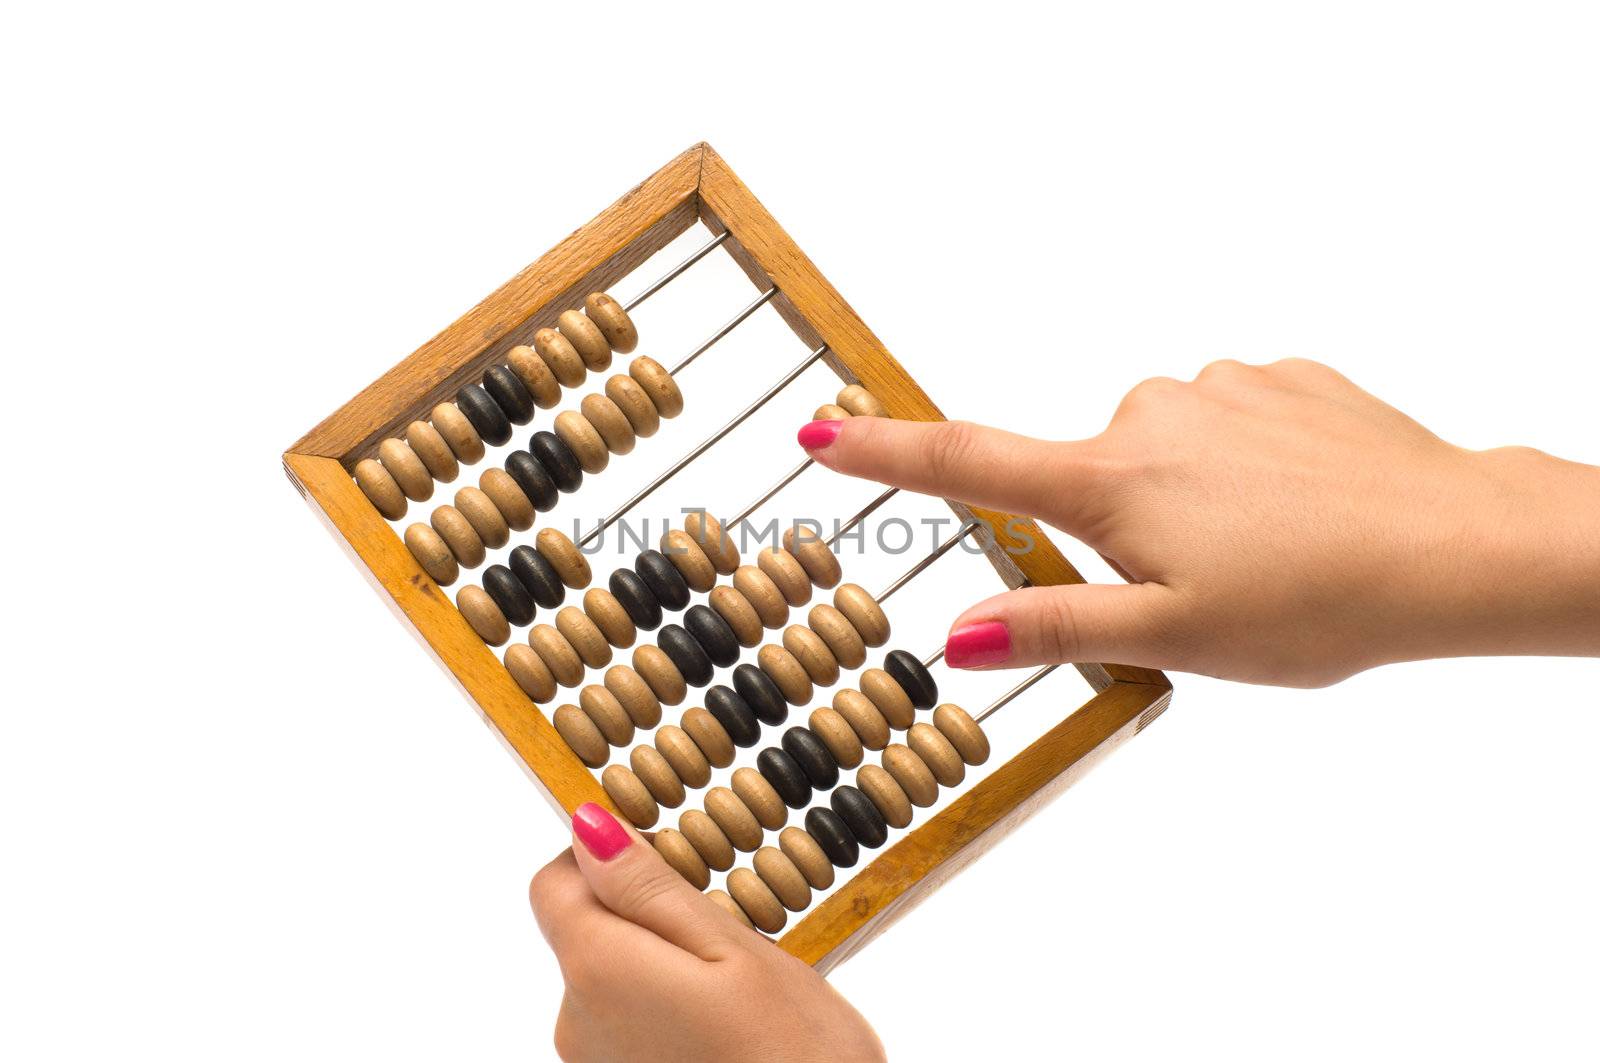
<point x="1014" y="692"/>
<point x="872" y="507"/>
<point x="673" y="273"/>
<point x="764" y="499"/>
<point x="934" y="658"/>
<point x="917" y="569"/>
<point x="760" y="301"/>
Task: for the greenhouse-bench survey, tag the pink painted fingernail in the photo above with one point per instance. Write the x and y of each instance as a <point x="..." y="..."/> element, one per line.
<point x="599" y="831"/>
<point x="819" y="434"/>
<point x="974" y="645"/>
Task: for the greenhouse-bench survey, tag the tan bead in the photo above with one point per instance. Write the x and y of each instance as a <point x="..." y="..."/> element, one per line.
<point x="709" y="734"/>
<point x="738" y="823"/>
<point x="581" y="735"/>
<point x="751" y="787"/>
<point x="458" y="534"/>
<point x="565" y="557"/>
<point x="607" y="714"/>
<point x="937" y="753"/>
<point x="535" y="375"/>
<point x="757" y="900"/>
<point x="561" y="356"/>
<point x="680" y="751"/>
<point x="484" y="516"/>
<point x="380" y="487"/>
<point x="609" y="420"/>
<point x="740" y="615"/>
<point x="812" y="653"/>
<point x="784" y="571"/>
<point x="690" y="561"/>
<point x="881" y="789"/>
<point x="963" y="732"/>
<point x="432" y="553"/>
<point x="634" y="404"/>
<point x="707" y="839"/>
<point x="484" y="616"/>
<point x="912" y="775"/>
<point x="658" y="384"/>
<point x="731" y="906"/>
<point x="680" y="855"/>
<point x="458" y="432"/>
<point x="837" y="734"/>
<point x="717" y="544"/>
<point x="557" y="654"/>
<point x="811" y="550"/>
<point x="839" y="634"/>
<point x="763" y="595"/>
<point x="829" y="412"/>
<point x="583" y="440"/>
<point x="634" y="694"/>
<point x="407" y="469"/>
<point x="586" y="337"/>
<point x="631" y="796"/>
<point x="786" y="672"/>
<point x="808" y="856"/>
<point x="863" y="612"/>
<point x="613" y="321"/>
<point x="863" y="716"/>
<point x="530" y="672"/>
<point x="782" y="878"/>
<point x="860" y="402"/>
<point x="657" y="775"/>
<point x="429" y="445"/>
<point x="508" y="498"/>
<point x="576" y="627"/>
<point x="610" y="617"/>
<point x="889" y="697"/>
<point x="663" y="676"/>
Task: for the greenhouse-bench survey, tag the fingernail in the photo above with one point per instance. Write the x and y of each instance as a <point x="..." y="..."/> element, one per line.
<point x="973" y="645"/>
<point x="599" y="831"/>
<point x="819" y="434"/>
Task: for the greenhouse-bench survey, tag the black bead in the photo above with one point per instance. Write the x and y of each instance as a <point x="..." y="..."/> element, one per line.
<point x="558" y="460"/>
<point x="534" y="479"/>
<point x="713" y="634"/>
<point x="687" y="654"/>
<point x="786" y="777"/>
<point x="913" y="678"/>
<point x="509" y="394"/>
<point x="812" y="756"/>
<point x="734" y="716"/>
<point x="860" y="815"/>
<point x="761" y="693"/>
<point x="833" y="836"/>
<point x="537" y="577"/>
<point x="485" y="414"/>
<point x="637" y="599"/>
<point x="664" y="579"/>
<point x="509" y="594"/>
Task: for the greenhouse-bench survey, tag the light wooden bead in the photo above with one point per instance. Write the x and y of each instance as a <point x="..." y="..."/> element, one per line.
<point x="631" y="796"/>
<point x="484" y="516"/>
<point x="530" y="672"/>
<point x="812" y="653"/>
<point x="808" y="856"/>
<point x="557" y="654"/>
<point x="429" y="445"/>
<point x="658" y="384"/>
<point x="583" y="440"/>
<point x="863" y="716"/>
<point x="380" y="487"/>
<point x="483" y="614"/>
<point x="811" y="550"/>
<point x="738" y="823"/>
<point x="561" y="356"/>
<point x="912" y="775"/>
<point x="860" y="402"/>
<point x="565" y="557"/>
<point x="717" y="544"/>
<point x="508" y="498"/>
<point x="751" y="787"/>
<point x="432" y="553"/>
<point x="576" y="627"/>
<point x="757" y="900"/>
<point x="889" y="697"/>
<point x="634" y="404"/>
<point x="731" y="906"/>
<point x="458" y="534"/>
<point x="610" y="617"/>
<point x="407" y="469"/>
<point x="937" y="753"/>
<point x="863" y="612"/>
<point x="586" y="337"/>
<point x="740" y="615"/>
<point x="680" y="751"/>
<point x="609" y="420"/>
<point x="657" y="775"/>
<point x="886" y="794"/>
<point x="634" y="694"/>
<point x="784" y="571"/>
<point x="707" y="839"/>
<point x="690" y="561"/>
<point x="581" y="735"/>
<point x="782" y="878"/>
<point x="535" y="375"/>
<point x="458" y="433"/>
<point x="763" y="595"/>
<point x="709" y="734"/>
<point x="837" y="734"/>
<point x="657" y="668"/>
<point x="613" y="321"/>
<point x="829" y="412"/>
<point x="840" y="635"/>
<point x="603" y="708"/>
<point x="786" y="672"/>
<point x="680" y="855"/>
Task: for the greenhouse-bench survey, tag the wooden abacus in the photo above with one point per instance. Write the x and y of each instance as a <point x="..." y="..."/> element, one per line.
<point x="514" y="353"/>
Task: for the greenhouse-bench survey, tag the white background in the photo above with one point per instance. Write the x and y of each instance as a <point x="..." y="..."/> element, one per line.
<point x="245" y="816"/>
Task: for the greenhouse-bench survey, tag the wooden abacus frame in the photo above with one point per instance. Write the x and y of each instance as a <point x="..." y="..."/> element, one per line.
<point x="699" y="186"/>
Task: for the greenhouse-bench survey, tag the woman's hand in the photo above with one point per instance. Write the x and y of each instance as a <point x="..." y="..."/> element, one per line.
<point x="1277" y="524"/>
<point x="655" y="970"/>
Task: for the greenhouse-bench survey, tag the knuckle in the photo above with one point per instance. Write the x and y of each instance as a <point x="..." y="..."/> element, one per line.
<point x="950" y="449"/>
<point x="1225" y="369"/>
<point x="643" y="892"/>
<point x="1059" y="638"/>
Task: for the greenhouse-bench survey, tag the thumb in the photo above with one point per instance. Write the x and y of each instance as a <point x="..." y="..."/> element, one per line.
<point x="1132" y="624"/>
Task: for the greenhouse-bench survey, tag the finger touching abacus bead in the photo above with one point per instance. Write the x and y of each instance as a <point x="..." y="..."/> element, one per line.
<point x="691" y="561"/>
<point x="787" y="574"/>
<point x="731" y="906"/>
<point x="763" y="595"/>
<point x="806" y="546"/>
<point x="842" y="639"/>
<point x="808" y="856"/>
<point x="380" y="487"/>
<point x="458" y="432"/>
<point x="407" y="469"/>
<point x="509" y="594"/>
<point x="740" y="616"/>
<point x="912" y="775"/>
<point x="760" y="798"/>
<point x="863" y="612"/>
<point x="483" y="614"/>
<point x="432" y="553"/>
<point x="585" y="638"/>
<point x="822" y="771"/>
<point x="508" y="392"/>
<point x="785" y="671"/>
<point x="558" y="460"/>
<point x="613" y="321"/>
<point x="565" y="557"/>
<point x="634" y="695"/>
<point x="530" y="672"/>
<point x="863" y="716"/>
<point x="608" y="420"/>
<point x="610" y="617"/>
<point x="892" y="803"/>
<point x="583" y="440"/>
<point x="581" y="735"/>
<point x="860" y="815"/>
<point x="738" y="720"/>
<point x="658" y="384"/>
<point x="760" y="693"/>
<point x="607" y="714"/>
<point x="557" y="654"/>
<point x="735" y="819"/>
<point x="542" y="385"/>
<point x="713" y="634"/>
<point x="812" y="653"/>
<point x="935" y="750"/>
<point x="636" y="597"/>
<point x="687" y="653"/>
<point x="657" y="775"/>
<point x="491" y="422"/>
<point x="666" y="682"/>
<point x="913" y="677"/>
<point x="713" y="539"/>
<point x="686" y="758"/>
<point x="887" y="696"/>
<point x="508" y="498"/>
<point x="429" y="445"/>
<point x="663" y="579"/>
<point x="635" y="405"/>
<point x="484" y="516"/>
<point x="680" y="855"/>
<point x="561" y="356"/>
<point x="631" y="796"/>
<point x="707" y="838"/>
<point x="537" y="575"/>
<point x="534" y="479"/>
<point x="834" y="838"/>
<point x="783" y="878"/>
<point x="757" y="900"/>
<point x="963" y="732"/>
<point x="837" y="734"/>
<point x="710" y="736"/>
<point x="586" y="337"/>
<point x="860" y="402"/>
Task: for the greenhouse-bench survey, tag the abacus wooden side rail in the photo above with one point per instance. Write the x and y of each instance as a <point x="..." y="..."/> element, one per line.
<point x="698" y="186"/>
